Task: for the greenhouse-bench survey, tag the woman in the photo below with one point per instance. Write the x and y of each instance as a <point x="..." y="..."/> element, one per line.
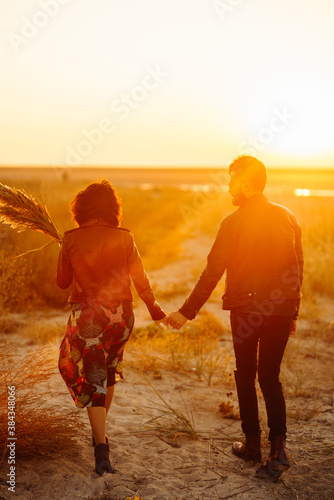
<point x="97" y="260"/>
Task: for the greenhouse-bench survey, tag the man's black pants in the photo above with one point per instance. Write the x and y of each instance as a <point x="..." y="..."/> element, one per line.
<point x="271" y="334"/>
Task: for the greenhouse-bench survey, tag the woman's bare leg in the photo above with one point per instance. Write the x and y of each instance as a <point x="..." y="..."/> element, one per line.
<point x="97" y="417"/>
<point x="109" y="397"/>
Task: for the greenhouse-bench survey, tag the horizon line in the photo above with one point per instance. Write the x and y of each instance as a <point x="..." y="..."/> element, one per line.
<point x="169" y="167"/>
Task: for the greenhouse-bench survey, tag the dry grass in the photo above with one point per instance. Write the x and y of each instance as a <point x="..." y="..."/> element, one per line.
<point x="303" y="412"/>
<point x="154" y="220"/>
<point x="42" y="430"/>
<point x="14" y="293"/>
<point x="167" y="420"/>
<point x="172" y="290"/>
<point x="46" y="334"/>
<point x="193" y="350"/>
<point x="197" y="349"/>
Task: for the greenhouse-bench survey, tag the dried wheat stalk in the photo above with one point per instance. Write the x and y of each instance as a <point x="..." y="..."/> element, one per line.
<point x="21" y="211"/>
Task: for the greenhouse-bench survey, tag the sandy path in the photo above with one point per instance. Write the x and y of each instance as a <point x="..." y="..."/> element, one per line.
<point x="156" y="468"/>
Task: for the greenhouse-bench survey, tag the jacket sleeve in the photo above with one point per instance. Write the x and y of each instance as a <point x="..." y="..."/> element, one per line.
<point x="141" y="282"/>
<point x="65" y="269"/>
<point x="216" y="265"/>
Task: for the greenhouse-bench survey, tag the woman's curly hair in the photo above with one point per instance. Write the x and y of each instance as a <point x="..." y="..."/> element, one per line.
<point x="99" y="200"/>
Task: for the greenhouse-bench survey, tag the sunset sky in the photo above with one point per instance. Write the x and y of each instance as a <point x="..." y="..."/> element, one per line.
<point x="177" y="82"/>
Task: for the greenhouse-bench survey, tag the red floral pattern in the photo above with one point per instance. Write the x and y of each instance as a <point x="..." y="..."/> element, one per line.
<point x="91" y="353"/>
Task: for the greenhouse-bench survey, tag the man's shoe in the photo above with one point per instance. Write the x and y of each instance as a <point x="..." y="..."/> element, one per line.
<point x="277" y="462"/>
<point x="250" y="450"/>
<point x="102" y="460"/>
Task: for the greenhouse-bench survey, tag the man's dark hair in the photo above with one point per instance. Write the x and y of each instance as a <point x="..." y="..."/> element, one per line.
<point x="256" y="171"/>
<point x="99" y="200"/>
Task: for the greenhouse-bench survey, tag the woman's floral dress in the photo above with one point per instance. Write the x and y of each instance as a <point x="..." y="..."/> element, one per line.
<point x="91" y="353"/>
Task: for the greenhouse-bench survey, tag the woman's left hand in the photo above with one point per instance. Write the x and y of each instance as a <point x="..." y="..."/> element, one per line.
<point x="160" y="322"/>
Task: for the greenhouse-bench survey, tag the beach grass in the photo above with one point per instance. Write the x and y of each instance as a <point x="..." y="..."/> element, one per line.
<point x="42" y="429"/>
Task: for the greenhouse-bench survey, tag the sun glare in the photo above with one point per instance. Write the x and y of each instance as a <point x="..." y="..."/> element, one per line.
<point x="290" y="115"/>
<point x="302" y="192"/>
<point x="229" y="76"/>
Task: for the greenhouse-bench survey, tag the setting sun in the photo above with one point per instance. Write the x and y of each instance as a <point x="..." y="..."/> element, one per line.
<point x="223" y="70"/>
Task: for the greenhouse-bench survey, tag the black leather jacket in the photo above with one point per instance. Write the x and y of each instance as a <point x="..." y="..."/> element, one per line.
<point x="97" y="262"/>
<point x="260" y="247"/>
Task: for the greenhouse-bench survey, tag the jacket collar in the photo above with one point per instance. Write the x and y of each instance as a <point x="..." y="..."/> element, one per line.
<point x="255" y="198"/>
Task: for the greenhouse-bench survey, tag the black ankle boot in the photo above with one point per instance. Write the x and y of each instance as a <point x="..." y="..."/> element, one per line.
<point x="250" y="450"/>
<point x="277" y="461"/>
<point x="102" y="461"/>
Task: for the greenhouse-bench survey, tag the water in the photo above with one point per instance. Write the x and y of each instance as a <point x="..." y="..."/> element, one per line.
<point x="270" y="190"/>
<point x="314" y="192"/>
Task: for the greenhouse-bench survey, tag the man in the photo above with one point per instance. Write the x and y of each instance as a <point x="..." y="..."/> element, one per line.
<point x="259" y="246"/>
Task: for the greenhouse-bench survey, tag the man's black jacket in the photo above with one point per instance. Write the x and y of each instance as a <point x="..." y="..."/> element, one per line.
<point x="260" y="247"/>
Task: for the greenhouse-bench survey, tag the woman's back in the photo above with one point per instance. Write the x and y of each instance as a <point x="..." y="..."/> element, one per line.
<point x="97" y="261"/>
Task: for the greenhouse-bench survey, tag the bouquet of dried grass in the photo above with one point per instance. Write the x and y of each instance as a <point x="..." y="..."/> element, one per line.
<point x="22" y="211"/>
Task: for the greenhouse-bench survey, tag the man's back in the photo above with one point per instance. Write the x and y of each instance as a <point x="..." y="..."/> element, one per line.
<point x="265" y="258"/>
<point x="260" y="247"/>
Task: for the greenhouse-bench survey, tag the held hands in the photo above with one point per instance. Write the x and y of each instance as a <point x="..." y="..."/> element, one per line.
<point x="160" y="322"/>
<point x="176" y="320"/>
